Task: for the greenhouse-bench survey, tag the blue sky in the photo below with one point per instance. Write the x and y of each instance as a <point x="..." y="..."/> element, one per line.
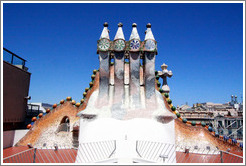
<point x="201" y="43"/>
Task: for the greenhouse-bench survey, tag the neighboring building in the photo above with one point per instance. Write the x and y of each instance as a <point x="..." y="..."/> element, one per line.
<point x="231" y="126"/>
<point x="17" y="113"/>
<point x="35" y="108"/>
<point x="226" y="119"/>
<point x="197" y="113"/>
<point x="230" y="121"/>
<point x="16" y="81"/>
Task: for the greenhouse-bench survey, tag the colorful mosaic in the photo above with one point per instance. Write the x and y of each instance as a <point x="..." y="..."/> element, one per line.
<point x="119" y="45"/>
<point x="135" y="45"/>
<point x="150" y="45"/>
<point x="103" y="45"/>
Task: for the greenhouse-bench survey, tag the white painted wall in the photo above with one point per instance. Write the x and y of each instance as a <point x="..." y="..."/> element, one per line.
<point x="8" y="138"/>
<point x="11" y="137"/>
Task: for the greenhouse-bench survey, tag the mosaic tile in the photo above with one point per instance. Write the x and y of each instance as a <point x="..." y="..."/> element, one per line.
<point x="103" y="45"/>
<point x="150" y="45"/>
<point x="119" y="45"/>
<point x="135" y="45"/>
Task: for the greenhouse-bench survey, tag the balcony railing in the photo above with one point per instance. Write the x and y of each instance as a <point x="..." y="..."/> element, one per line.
<point x="157" y="152"/>
<point x="33" y="110"/>
<point x="196" y="116"/>
<point x="13" y="59"/>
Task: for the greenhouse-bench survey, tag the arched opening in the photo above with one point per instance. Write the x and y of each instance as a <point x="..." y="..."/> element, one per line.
<point x="65" y="119"/>
<point x="112" y="61"/>
<point x="64" y="125"/>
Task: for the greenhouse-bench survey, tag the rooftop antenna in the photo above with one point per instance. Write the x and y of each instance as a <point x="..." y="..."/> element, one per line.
<point x="235" y="99"/>
<point x="232" y="99"/>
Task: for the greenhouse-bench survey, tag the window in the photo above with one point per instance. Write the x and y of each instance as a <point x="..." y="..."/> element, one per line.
<point x="219" y="123"/>
<point x="234" y="125"/>
<point x="239" y="132"/>
<point x="228" y="123"/>
<point x="238" y="123"/>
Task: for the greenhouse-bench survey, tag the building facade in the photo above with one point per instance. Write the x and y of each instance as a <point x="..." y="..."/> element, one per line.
<point x="16" y="81"/>
<point x="226" y="119"/>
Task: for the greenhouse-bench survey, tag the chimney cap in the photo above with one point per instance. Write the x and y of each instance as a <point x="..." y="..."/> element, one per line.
<point x="105" y="24"/>
<point x="134" y="25"/>
<point x="148" y="25"/>
<point x="120" y="25"/>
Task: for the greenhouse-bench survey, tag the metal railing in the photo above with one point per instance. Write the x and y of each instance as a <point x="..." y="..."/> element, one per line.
<point x="226" y="157"/>
<point x="61" y="154"/>
<point x="95" y="151"/>
<point x="104" y="151"/>
<point x="26" y="156"/>
<point x="170" y="153"/>
<point x="156" y="151"/>
<point x="187" y="154"/>
<point x="13" y="59"/>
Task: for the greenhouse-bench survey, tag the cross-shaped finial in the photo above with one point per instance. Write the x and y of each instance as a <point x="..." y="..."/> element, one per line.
<point x="164" y="74"/>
